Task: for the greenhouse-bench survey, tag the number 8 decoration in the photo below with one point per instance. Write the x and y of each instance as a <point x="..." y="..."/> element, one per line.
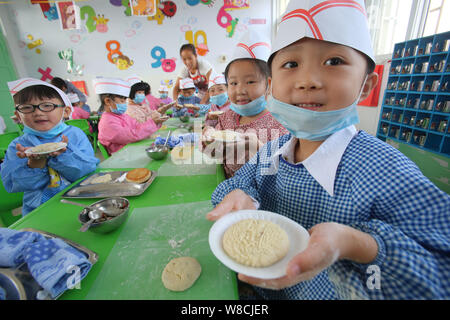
<point x="114" y="51"/>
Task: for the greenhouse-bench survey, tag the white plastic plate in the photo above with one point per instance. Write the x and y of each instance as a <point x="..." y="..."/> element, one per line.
<point x="298" y="241"/>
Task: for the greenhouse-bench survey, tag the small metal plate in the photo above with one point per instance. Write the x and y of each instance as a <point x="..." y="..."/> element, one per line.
<point x="21" y="282"/>
<point x="85" y="189"/>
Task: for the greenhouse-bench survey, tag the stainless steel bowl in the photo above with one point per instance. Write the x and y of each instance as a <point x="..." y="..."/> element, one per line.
<point x="108" y="224"/>
<point x="14" y="289"/>
<point x="157" y="152"/>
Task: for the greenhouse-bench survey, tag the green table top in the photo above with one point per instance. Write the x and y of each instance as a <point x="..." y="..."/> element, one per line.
<point x="166" y="191"/>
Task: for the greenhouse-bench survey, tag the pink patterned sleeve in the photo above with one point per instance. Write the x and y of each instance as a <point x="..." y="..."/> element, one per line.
<point x="123" y="130"/>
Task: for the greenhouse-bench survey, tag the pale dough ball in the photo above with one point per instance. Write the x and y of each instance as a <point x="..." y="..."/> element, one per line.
<point x="181" y="273"/>
<point x="255" y="242"/>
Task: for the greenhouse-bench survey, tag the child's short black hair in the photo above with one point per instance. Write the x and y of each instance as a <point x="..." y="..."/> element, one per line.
<point x="58" y="82"/>
<point x="38" y="91"/>
<point x="190" y="47"/>
<point x="103" y="96"/>
<point x="261" y="65"/>
<point x="139" y="86"/>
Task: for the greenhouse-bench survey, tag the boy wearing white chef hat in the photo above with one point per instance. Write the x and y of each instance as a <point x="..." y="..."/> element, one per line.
<point x="42" y="108"/>
<point x="164" y="95"/>
<point x="116" y="128"/>
<point x="363" y="202"/>
<point x="187" y="100"/>
<point x="78" y="112"/>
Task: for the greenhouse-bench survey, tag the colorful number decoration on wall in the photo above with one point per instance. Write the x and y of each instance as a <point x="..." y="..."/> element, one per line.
<point x="116" y="57"/>
<point x="196" y="2"/>
<point x="116" y="3"/>
<point x="202" y="48"/>
<point x="91" y="15"/>
<point x="158" y="54"/>
<point x="230" y="23"/>
<point x="126" y="4"/>
<point x="113" y="51"/>
<point x="159" y="16"/>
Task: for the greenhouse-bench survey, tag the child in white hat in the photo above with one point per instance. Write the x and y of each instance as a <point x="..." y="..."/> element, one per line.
<point x="164" y="94"/>
<point x="138" y="104"/>
<point x="41" y="108"/>
<point x="248" y="79"/>
<point x="218" y="96"/>
<point x="68" y="87"/>
<point x="115" y="128"/>
<point x="379" y="229"/>
<point x="78" y="112"/>
<point x="187" y="100"/>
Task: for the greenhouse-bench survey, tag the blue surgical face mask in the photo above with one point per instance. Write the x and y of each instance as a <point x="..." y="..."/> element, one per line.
<point x="219" y="99"/>
<point x="163" y="95"/>
<point x="250" y="109"/>
<point x="313" y="125"/>
<point x="121" y="108"/>
<point x="138" y="98"/>
<point x="53" y="132"/>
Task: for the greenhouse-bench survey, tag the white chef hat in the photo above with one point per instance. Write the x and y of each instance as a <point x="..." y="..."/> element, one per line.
<point x="73" y="97"/>
<point x="163" y="88"/>
<point x="216" y="78"/>
<point x="133" y="79"/>
<point x="252" y="45"/>
<point x="17" y="85"/>
<point x="112" y="86"/>
<point x="187" y="83"/>
<point x="338" y="21"/>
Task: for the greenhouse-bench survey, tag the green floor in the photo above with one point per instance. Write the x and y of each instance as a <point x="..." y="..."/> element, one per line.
<point x="434" y="166"/>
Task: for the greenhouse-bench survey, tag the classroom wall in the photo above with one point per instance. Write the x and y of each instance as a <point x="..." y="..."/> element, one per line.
<point x="369" y="116"/>
<point x="140" y="39"/>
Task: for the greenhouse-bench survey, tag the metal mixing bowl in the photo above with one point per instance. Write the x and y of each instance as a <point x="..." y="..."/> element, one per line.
<point x="111" y="223"/>
<point x="157" y="152"/>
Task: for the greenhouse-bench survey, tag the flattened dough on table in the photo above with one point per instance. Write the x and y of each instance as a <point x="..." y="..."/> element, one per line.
<point x="181" y="273"/>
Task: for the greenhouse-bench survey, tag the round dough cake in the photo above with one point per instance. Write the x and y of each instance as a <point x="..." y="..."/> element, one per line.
<point x="181" y="273"/>
<point x="255" y="242"/>
<point x="138" y="175"/>
<point x="46" y="147"/>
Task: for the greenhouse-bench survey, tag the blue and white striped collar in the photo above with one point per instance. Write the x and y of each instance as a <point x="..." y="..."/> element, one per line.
<point x="322" y="164"/>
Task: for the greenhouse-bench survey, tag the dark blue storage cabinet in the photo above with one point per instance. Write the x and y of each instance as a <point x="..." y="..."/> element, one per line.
<point x="416" y="105"/>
